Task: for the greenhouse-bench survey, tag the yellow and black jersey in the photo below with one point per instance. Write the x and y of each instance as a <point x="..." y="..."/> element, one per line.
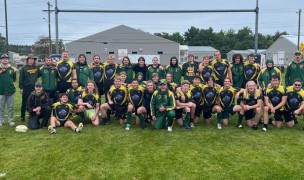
<point x="64" y="69"/>
<point x="227" y="96"/>
<point x="136" y="95"/>
<point x="97" y="72"/>
<point x="250" y="99"/>
<point x="119" y="95"/>
<point x="220" y="68"/>
<point x="206" y="73"/>
<point x="209" y="95"/>
<point x="109" y="70"/>
<point x="92" y="99"/>
<point x="275" y="95"/>
<point x="294" y="98"/>
<point x="188" y="97"/>
<point x="251" y="71"/>
<point x="62" y="111"/>
<point x="172" y="86"/>
<point x="197" y="93"/>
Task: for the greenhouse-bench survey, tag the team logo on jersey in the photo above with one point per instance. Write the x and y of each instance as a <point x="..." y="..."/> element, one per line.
<point x="62" y="112"/>
<point x="118" y="97"/>
<point x="275" y="99"/>
<point x="293" y="101"/>
<point x="249" y="72"/>
<point x="110" y="71"/>
<point x="293" y="66"/>
<point x="210" y="95"/>
<point x="91" y="102"/>
<point x="220" y="68"/>
<point x="63" y="69"/>
<point x="207" y="74"/>
<point x="135" y="97"/>
<point x="301" y="66"/>
<point x="226" y="99"/>
<point x="97" y="74"/>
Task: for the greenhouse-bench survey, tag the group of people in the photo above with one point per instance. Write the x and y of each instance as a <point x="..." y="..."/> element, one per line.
<point x="154" y="94"/>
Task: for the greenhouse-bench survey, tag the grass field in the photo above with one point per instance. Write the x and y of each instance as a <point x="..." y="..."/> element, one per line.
<point x="110" y="152"/>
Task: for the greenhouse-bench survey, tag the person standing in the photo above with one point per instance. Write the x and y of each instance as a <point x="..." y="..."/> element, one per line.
<point x="7" y="89"/>
<point x="27" y="79"/>
<point x="141" y="67"/>
<point x="176" y="70"/>
<point x="97" y="69"/>
<point x="66" y="72"/>
<point x="190" y="68"/>
<point x="221" y="69"/>
<point x="237" y="70"/>
<point x="155" y="68"/>
<point x="48" y="75"/>
<point x="83" y="71"/>
<point x="266" y="73"/>
<point x="127" y="67"/>
<point x="251" y="69"/>
<point x="205" y="70"/>
<point x="295" y="70"/>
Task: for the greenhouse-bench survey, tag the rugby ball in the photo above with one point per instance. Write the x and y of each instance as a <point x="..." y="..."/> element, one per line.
<point x="21" y="129"/>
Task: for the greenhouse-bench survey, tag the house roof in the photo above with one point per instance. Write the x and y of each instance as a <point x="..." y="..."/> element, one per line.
<point x="293" y="38"/>
<point x="248" y="51"/>
<point x="201" y="48"/>
<point x="123" y="34"/>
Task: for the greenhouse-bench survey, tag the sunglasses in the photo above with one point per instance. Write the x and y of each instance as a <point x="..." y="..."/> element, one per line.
<point x="297" y="85"/>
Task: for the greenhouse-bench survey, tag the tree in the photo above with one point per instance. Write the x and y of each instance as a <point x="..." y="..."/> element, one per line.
<point x="41" y="46"/>
<point x="2" y="44"/>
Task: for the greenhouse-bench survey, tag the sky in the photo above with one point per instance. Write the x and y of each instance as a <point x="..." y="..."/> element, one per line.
<point x="26" y="23"/>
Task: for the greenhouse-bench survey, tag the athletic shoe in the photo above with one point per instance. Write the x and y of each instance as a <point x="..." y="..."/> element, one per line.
<point x="239" y="126"/>
<point x="99" y="114"/>
<point x="255" y="127"/>
<point x="170" y="128"/>
<point x="219" y="126"/>
<point x="12" y="123"/>
<point x="264" y="129"/>
<point x="128" y="127"/>
<point x="192" y="125"/>
<point x="80" y="126"/>
<point x="52" y="130"/>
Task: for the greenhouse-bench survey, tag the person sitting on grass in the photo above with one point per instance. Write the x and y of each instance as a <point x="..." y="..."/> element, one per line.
<point x="251" y="101"/>
<point x="226" y="98"/>
<point x="184" y="105"/>
<point x="162" y="107"/>
<point x="135" y="97"/>
<point x="38" y="107"/>
<point x="117" y="101"/>
<point x="274" y="100"/>
<point x="88" y="103"/>
<point x="62" y="115"/>
<point x="294" y="103"/>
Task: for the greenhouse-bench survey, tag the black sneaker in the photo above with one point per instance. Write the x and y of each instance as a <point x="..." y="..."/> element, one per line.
<point x="255" y="127"/>
<point x="22" y="120"/>
<point x="261" y="121"/>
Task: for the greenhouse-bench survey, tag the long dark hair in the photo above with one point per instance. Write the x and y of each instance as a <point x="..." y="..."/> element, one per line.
<point x="236" y="56"/>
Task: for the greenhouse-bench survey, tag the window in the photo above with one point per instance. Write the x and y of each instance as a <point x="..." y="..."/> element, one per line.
<point x="160" y="52"/>
<point x="111" y="52"/>
<point x="134" y="52"/>
<point x="88" y="52"/>
<point x="195" y="57"/>
<point x="211" y="57"/>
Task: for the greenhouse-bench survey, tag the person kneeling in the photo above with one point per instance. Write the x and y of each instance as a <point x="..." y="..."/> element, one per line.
<point x="62" y="115"/>
<point x="38" y="107"/>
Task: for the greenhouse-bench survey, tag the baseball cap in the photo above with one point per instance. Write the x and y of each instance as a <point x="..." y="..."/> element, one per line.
<point x="31" y="56"/>
<point x="4" y="56"/>
<point x="297" y="53"/>
<point x="163" y="81"/>
<point x="38" y="84"/>
<point x="269" y="60"/>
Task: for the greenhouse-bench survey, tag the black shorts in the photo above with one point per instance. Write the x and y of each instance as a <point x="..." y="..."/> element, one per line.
<point x="62" y="122"/>
<point x="120" y="110"/>
<point x="63" y="86"/>
<point x="198" y="110"/>
<point x="249" y="114"/>
<point x="278" y="115"/>
<point x="207" y="112"/>
<point x="227" y="111"/>
<point x="179" y="113"/>
<point x="289" y="116"/>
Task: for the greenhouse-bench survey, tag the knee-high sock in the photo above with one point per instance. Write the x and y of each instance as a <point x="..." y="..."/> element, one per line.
<point x="82" y="116"/>
<point x="219" y="117"/>
<point x="187" y="119"/>
<point x="141" y="119"/>
<point x="129" y="116"/>
<point x="240" y="119"/>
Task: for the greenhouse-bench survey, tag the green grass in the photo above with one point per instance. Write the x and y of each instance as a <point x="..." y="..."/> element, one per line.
<point x="110" y="152"/>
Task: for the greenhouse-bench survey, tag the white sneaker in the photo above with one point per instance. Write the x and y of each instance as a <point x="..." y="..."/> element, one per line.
<point x="80" y="126"/>
<point x="219" y="126"/>
<point x="170" y="128"/>
<point x="52" y="130"/>
<point x="12" y="123"/>
<point x="264" y="129"/>
<point x="240" y="126"/>
<point x="99" y="114"/>
<point x="192" y="125"/>
<point x="128" y="127"/>
<point x="1" y="124"/>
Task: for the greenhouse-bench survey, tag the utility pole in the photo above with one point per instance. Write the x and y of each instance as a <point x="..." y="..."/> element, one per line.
<point x="49" y="22"/>
<point x="256" y="28"/>
<point x="299" y="27"/>
<point x="6" y="27"/>
<point x="56" y="25"/>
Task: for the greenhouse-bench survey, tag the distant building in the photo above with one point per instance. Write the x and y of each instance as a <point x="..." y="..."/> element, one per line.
<point x="282" y="50"/>
<point x="244" y="53"/>
<point x="124" y="41"/>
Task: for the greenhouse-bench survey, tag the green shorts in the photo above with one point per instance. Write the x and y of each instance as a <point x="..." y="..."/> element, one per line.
<point x="90" y="113"/>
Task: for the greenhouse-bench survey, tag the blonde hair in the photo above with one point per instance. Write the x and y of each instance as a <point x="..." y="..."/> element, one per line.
<point x="256" y="91"/>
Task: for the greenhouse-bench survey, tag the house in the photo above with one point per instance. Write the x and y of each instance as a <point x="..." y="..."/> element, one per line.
<point x="282" y="50"/>
<point x="124" y="41"/>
